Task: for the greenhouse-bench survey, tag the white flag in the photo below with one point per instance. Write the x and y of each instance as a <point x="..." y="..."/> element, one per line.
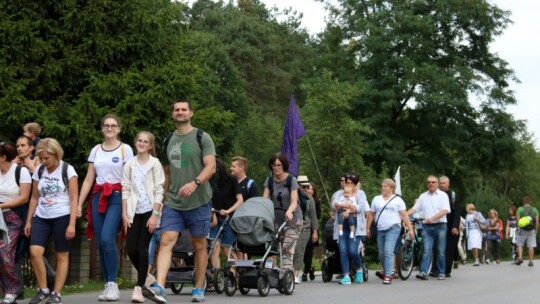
<point x="397" y="179"/>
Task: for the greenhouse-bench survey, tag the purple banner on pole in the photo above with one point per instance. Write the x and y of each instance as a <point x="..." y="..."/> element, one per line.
<point x="294" y="129"/>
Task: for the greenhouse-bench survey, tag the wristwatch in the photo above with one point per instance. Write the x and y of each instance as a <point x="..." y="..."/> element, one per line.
<point x="197" y="182"/>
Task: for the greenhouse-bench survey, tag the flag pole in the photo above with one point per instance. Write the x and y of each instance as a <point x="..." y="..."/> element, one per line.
<point x="318" y="171"/>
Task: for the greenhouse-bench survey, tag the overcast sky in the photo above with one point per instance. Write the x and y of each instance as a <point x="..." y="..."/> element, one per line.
<point x="518" y="45"/>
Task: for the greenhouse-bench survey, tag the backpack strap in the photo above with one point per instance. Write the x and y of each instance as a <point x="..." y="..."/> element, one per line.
<point x="270" y="185"/>
<point x="249" y="184"/>
<point x="18" y="175"/>
<point x="65" y="167"/>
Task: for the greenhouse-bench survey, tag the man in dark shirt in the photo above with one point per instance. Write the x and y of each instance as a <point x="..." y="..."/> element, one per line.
<point x="452" y="221"/>
<point x="248" y="187"/>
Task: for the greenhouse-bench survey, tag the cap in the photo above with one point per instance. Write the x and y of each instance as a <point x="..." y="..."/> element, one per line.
<point x="302" y="179"/>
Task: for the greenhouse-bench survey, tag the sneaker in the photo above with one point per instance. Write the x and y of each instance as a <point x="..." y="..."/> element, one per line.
<point x="379" y="274"/>
<point x="448" y="275"/>
<point x="486" y="262"/>
<point x="101" y="297"/>
<point x="359" y="277"/>
<point x="150" y="279"/>
<point x="387" y="280"/>
<point x="55" y="298"/>
<point x="304" y="277"/>
<point x="345" y="281"/>
<point x="40" y="297"/>
<point x="441" y="277"/>
<point x="476" y="263"/>
<point x="296" y="280"/>
<point x="155" y="293"/>
<point x="531" y="264"/>
<point x="113" y="293"/>
<point x="9" y="298"/>
<point x="422" y="276"/>
<point x="136" y="296"/>
<point x="312" y="274"/>
<point x="519" y="262"/>
<point x="197" y="295"/>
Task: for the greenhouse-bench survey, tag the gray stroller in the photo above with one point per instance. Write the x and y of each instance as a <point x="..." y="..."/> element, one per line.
<point x="253" y="223"/>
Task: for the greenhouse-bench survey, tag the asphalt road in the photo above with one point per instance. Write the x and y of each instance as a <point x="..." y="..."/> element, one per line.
<point x="493" y="284"/>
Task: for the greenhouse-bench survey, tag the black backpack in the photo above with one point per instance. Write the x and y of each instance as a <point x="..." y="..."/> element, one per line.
<point x="302" y="197"/>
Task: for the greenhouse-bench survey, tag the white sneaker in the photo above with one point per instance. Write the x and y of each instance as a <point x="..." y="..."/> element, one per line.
<point x="105" y="291"/>
<point x="113" y="294"/>
<point x="297" y="280"/>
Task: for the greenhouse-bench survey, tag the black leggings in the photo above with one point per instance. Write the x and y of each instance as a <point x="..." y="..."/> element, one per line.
<point x="137" y="241"/>
<point x="308" y="256"/>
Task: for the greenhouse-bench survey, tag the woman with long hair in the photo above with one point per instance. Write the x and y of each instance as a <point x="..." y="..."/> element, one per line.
<point x="104" y="213"/>
<point x="142" y="196"/>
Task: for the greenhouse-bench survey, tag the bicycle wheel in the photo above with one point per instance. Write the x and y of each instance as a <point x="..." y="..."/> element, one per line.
<point x="406" y="260"/>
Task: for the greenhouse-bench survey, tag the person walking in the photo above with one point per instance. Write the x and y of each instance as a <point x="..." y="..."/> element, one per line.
<point x="527" y="217"/>
<point x="13" y="194"/>
<point x="104" y="212"/>
<point x="52" y="211"/>
<point x="142" y="198"/>
<point x="435" y="205"/>
<point x="189" y="161"/>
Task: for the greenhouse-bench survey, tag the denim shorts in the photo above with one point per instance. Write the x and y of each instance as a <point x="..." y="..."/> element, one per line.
<point x="227" y="236"/>
<point x="196" y="220"/>
<point x="43" y="228"/>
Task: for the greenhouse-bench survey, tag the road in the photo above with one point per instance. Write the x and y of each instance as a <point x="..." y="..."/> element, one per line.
<point x="503" y="283"/>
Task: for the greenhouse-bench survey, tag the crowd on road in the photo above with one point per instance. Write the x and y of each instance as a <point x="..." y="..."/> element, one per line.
<point x="152" y="200"/>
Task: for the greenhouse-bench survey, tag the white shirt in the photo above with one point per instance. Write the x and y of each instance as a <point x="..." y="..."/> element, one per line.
<point x="109" y="164"/>
<point x="431" y="204"/>
<point x="362" y="208"/>
<point x="9" y="189"/>
<point x="143" y="204"/>
<point x="53" y="195"/>
<point x="390" y="215"/>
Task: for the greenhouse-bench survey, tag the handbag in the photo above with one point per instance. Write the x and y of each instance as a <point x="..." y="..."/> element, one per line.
<point x="374" y="224"/>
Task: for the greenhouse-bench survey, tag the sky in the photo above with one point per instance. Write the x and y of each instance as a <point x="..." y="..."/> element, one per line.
<point x="518" y="45"/>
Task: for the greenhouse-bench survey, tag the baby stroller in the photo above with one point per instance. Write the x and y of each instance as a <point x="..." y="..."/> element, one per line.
<point x="331" y="263"/>
<point x="182" y="268"/>
<point x="253" y="223"/>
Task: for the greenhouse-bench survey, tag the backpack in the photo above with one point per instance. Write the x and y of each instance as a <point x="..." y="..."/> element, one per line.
<point x="64" y="173"/>
<point x="22" y="210"/>
<point x="302" y="197"/>
<point x="200" y="133"/>
<point x="526" y="221"/>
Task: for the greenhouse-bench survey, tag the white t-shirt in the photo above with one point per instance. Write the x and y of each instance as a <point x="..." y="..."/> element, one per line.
<point x="9" y="189"/>
<point x="53" y="196"/>
<point x="432" y="203"/>
<point x="343" y="199"/>
<point x="109" y="164"/>
<point x="143" y="204"/>
<point x="390" y="215"/>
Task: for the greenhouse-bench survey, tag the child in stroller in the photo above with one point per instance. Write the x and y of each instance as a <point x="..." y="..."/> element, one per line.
<point x="331" y="263"/>
<point x="256" y="236"/>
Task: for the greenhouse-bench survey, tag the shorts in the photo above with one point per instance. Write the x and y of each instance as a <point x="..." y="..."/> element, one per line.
<point x="526" y="236"/>
<point x="42" y="229"/>
<point x="227" y="236"/>
<point x="196" y="220"/>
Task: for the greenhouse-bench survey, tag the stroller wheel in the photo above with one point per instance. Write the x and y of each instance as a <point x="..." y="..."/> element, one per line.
<point x="287" y="282"/>
<point x="230" y="285"/>
<point x="326" y="273"/>
<point x="263" y="286"/>
<point x="177" y="287"/>
<point x="243" y="290"/>
<point x="219" y="281"/>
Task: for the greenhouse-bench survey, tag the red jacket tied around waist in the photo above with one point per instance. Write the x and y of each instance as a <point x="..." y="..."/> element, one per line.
<point x="106" y="190"/>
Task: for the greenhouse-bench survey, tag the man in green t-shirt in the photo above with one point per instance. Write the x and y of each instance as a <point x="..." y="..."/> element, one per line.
<point x="189" y="162"/>
<point x="527" y="234"/>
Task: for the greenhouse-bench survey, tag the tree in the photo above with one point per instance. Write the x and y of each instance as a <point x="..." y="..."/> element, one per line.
<point x="420" y="63"/>
<point x="65" y="64"/>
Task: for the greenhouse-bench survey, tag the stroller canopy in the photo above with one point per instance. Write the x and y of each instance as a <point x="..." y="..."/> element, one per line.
<point x="253" y="221"/>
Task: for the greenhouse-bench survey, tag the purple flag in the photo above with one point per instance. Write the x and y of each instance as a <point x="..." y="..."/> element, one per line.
<point x="294" y="129"/>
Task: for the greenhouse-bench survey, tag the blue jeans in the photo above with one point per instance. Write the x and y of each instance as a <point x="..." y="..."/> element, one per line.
<point x="106" y="227"/>
<point x="386" y="242"/>
<point x="154" y="242"/>
<point x="431" y="234"/>
<point x="348" y="249"/>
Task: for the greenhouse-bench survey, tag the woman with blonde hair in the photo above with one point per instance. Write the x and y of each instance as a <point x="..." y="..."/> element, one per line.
<point x="142" y="196"/>
<point x="494" y="235"/>
<point x="52" y="211"/>
<point x="474" y="235"/>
